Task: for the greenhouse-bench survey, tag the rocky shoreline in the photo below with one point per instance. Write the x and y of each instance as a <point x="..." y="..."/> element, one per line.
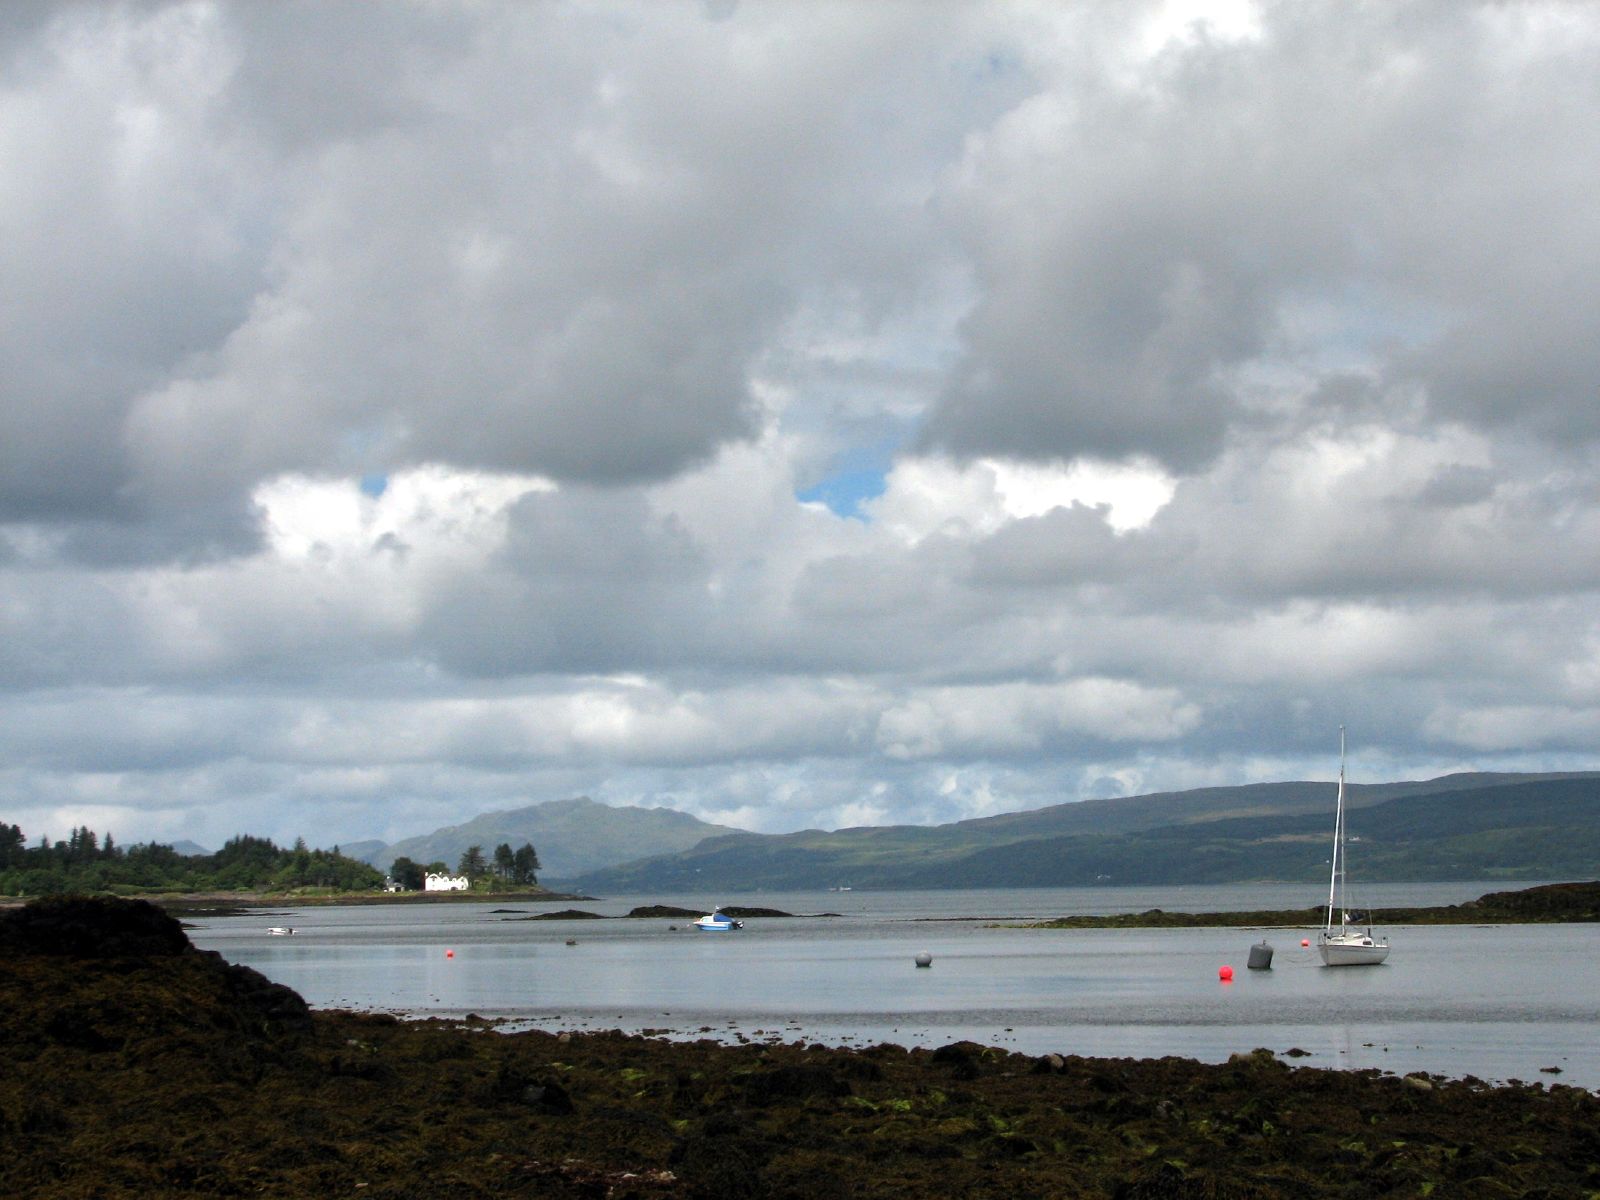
<point x="137" y="1066"/>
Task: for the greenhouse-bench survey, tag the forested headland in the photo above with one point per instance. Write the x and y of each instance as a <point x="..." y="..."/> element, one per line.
<point x="86" y="863"/>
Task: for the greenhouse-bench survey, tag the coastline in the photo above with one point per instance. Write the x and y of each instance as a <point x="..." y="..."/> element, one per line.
<point x="1570" y="902"/>
<point x="1555" y="903"/>
<point x="211" y="903"/>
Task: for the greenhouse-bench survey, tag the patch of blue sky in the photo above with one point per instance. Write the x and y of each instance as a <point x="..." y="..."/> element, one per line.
<point x="374" y="484"/>
<point x="855" y="476"/>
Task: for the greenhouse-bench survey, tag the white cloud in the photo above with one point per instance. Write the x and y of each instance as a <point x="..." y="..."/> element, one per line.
<point x="1229" y="368"/>
<point x="1015" y="718"/>
<point x="1500" y="728"/>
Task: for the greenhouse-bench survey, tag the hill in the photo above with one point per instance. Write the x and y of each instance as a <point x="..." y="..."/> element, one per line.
<point x="1458" y="826"/>
<point x="571" y="836"/>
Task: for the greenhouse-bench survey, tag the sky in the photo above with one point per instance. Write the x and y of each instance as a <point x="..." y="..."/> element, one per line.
<point x="797" y="414"/>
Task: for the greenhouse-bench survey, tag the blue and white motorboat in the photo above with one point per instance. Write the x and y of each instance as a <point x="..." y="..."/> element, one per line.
<point x="716" y="921"/>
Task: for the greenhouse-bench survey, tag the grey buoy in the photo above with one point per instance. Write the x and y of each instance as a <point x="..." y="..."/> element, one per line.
<point x="1261" y="956"/>
<point x="924" y="959"/>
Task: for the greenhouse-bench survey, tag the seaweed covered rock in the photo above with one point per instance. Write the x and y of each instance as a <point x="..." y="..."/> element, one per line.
<point x="102" y="974"/>
<point x="92" y="927"/>
<point x="565" y="914"/>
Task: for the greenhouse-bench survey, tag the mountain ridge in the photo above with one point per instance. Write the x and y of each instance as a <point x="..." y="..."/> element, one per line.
<point x="1001" y="850"/>
<point x="571" y="836"/>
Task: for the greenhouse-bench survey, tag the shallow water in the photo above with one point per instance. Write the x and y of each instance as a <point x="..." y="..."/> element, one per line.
<point x="1497" y="1002"/>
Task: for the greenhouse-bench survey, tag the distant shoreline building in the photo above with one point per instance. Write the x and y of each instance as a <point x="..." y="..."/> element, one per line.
<point x="440" y="882"/>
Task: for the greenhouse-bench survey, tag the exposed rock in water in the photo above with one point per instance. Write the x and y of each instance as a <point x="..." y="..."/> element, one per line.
<point x="135" y="1066"/>
<point x="566" y="914"/>
<point x="665" y="910"/>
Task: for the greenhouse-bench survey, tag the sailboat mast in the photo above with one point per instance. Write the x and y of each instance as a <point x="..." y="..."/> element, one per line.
<point x="1336" y="876"/>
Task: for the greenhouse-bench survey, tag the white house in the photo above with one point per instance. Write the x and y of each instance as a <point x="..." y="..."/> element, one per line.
<point x="439" y="882"/>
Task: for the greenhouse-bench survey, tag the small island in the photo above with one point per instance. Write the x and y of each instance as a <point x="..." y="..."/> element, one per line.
<point x="1551" y="903"/>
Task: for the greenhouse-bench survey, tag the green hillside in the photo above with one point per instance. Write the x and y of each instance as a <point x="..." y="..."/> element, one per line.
<point x="1457" y="827"/>
<point x="571" y="836"/>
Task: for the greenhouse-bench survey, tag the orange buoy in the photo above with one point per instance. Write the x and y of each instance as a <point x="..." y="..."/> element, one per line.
<point x="1225" y="973"/>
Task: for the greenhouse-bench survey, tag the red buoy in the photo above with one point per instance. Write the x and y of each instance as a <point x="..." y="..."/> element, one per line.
<point x="449" y="953"/>
<point x="1225" y="973"/>
<point x="1305" y="941"/>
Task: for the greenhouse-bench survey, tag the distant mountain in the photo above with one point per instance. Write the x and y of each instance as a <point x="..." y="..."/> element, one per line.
<point x="1459" y="826"/>
<point x="571" y="836"/>
<point x="362" y="851"/>
<point x="183" y="847"/>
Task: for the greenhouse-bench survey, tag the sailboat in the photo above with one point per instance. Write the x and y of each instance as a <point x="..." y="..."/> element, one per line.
<point x="1344" y="945"/>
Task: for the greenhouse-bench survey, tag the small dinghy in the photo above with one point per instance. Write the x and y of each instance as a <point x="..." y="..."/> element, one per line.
<point x="281" y="930"/>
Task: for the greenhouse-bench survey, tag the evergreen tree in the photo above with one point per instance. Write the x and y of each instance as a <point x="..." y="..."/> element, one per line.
<point x="12" y="844"/>
<point x="525" y="865"/>
<point x="472" y="864"/>
<point x="504" y="861"/>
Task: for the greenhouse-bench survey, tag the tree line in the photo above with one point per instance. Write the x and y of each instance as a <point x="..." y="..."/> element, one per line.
<point x="518" y="868"/>
<point x="86" y="862"/>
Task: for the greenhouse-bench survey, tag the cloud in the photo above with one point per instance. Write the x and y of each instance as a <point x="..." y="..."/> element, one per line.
<point x="1150" y="239"/>
<point x="412" y="411"/>
<point x="1005" y="719"/>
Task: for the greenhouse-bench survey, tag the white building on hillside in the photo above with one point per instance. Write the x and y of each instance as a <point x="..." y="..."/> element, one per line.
<point x="439" y="882"/>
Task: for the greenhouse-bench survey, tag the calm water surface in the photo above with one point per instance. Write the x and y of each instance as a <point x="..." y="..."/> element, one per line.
<point x="1499" y="1002"/>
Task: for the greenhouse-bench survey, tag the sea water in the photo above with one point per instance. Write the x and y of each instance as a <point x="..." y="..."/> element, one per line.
<point x="1495" y="1001"/>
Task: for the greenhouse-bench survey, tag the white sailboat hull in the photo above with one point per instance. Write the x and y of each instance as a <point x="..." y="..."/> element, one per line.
<point x="1352" y="950"/>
